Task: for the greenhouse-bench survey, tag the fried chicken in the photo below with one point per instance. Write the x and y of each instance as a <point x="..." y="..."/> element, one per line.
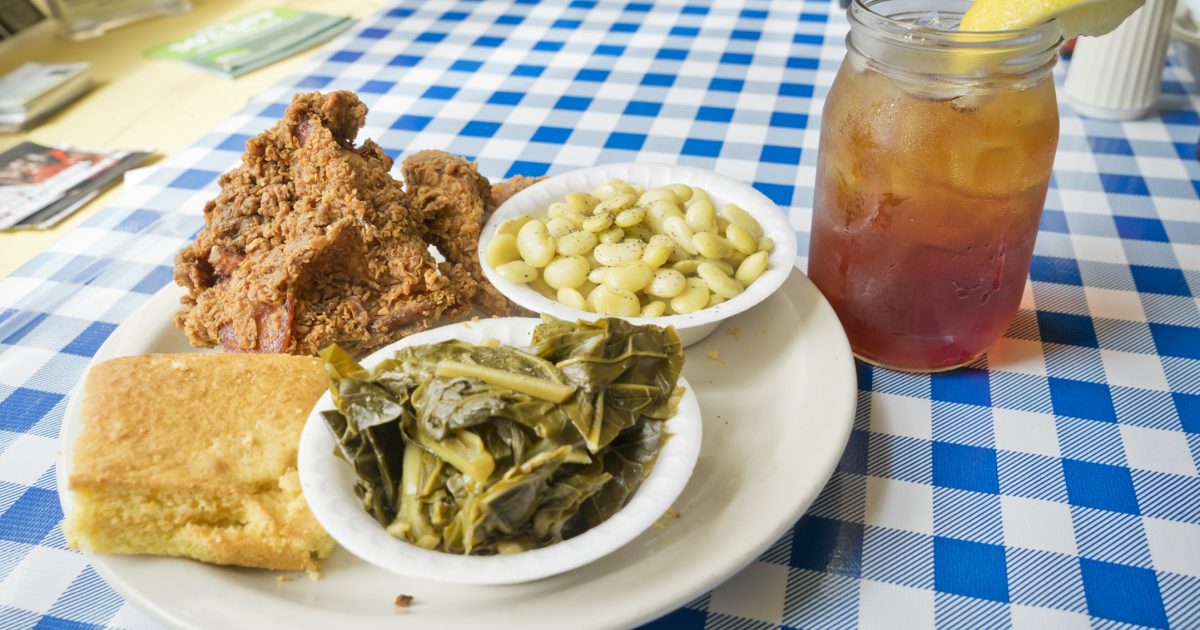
<point x="311" y="241"/>
<point x="504" y="190"/>
<point x="455" y="200"/>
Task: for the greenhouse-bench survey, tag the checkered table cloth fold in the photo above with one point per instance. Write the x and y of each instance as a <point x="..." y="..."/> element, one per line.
<point x="1053" y="485"/>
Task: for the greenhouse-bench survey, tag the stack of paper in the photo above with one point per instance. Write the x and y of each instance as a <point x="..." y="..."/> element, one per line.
<point x="41" y="185"/>
<point x="36" y="90"/>
<point x="236" y="47"/>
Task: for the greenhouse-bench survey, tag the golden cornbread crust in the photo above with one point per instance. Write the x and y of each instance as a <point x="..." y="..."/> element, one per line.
<point x="194" y="455"/>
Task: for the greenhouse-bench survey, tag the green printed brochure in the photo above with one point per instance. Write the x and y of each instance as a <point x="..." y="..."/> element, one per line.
<point x="252" y="41"/>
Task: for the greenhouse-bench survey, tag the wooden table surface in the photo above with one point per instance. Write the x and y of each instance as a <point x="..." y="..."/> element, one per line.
<point x="141" y="102"/>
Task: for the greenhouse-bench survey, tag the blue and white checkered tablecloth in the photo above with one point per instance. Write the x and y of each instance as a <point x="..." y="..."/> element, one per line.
<point x="1054" y="485"/>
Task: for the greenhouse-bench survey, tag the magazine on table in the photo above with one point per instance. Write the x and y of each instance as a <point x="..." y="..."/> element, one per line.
<point x="41" y="185"/>
<point x="252" y="41"/>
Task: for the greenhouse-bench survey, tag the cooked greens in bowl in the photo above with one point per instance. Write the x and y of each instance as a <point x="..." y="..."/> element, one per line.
<point x="491" y="449"/>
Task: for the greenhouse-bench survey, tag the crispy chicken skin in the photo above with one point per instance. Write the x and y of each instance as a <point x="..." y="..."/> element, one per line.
<point x="312" y="242"/>
<point x="502" y="191"/>
<point x="455" y="201"/>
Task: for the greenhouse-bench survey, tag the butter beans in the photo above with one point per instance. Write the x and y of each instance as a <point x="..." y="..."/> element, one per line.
<point x="616" y="302"/>
<point x="725" y="267"/>
<point x="741" y="239"/>
<point x="654" y="308"/>
<point x="681" y="233"/>
<point x="615" y="204"/>
<point x="666" y="283"/>
<point x="612" y="235"/>
<point x="501" y="249"/>
<point x="575" y="217"/>
<point x="513" y="225"/>
<point x="613" y="254"/>
<point x="712" y="246"/>
<point x="659" y="211"/>
<point x="535" y="244"/>
<point x="751" y="268"/>
<point x="623" y="251"/>
<point x="567" y="272"/>
<point x="631" y="276"/>
<point x="658" y="250"/>
<point x="641" y="232"/>
<point x="658" y="194"/>
<point x="702" y="216"/>
<point x="577" y="243"/>
<point x="630" y="217"/>
<point x="612" y="188"/>
<point x="572" y="298"/>
<point x="735" y="214"/>
<point x="598" y="223"/>
<point x="581" y="202"/>
<point x="691" y="300"/>
<point x="683" y="192"/>
<point x="559" y="227"/>
<point x="717" y="281"/>
<point x="557" y="209"/>
<point x="517" y="271"/>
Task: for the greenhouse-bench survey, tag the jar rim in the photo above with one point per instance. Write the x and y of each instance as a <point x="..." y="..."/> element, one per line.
<point x="1042" y="37"/>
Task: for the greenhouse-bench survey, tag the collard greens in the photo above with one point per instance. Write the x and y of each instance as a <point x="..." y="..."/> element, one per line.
<point x="466" y="465"/>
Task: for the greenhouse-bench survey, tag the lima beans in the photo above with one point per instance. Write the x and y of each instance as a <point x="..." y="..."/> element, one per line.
<point x="666" y="283"/>
<point x="535" y="244"/>
<point x="751" y="268"/>
<point x="502" y="249"/>
<point x="712" y="246"/>
<point x="718" y="282"/>
<point x="567" y="272"/>
<point x="681" y="233"/>
<point x="735" y="214"/>
<point x="631" y="276"/>
<point x="617" y="302"/>
<point x="702" y="216"/>
<point x="623" y="251"/>
<point x="741" y="239"/>
<point x="577" y="243"/>
<point x="572" y="298"/>
<point x="517" y="271"/>
<point x="691" y="300"/>
<point x="613" y="254"/>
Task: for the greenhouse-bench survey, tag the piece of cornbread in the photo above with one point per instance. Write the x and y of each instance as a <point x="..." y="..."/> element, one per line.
<point x="194" y="455"/>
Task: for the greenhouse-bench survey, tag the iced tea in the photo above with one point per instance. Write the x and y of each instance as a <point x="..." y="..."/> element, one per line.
<point x="928" y="199"/>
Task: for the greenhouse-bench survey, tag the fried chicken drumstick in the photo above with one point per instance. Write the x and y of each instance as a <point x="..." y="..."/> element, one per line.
<point x="312" y="242"/>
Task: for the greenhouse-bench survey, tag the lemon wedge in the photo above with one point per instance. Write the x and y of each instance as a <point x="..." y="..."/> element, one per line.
<point x="1077" y="17"/>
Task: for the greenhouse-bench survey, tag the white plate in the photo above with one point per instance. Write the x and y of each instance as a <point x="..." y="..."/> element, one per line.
<point x="692" y="327"/>
<point x="328" y="485"/>
<point x="778" y="405"/>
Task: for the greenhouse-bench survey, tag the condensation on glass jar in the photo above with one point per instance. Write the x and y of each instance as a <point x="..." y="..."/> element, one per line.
<point x="935" y="156"/>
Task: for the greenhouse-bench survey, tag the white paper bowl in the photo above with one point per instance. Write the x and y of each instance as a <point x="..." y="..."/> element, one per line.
<point x="328" y="486"/>
<point x="692" y="327"/>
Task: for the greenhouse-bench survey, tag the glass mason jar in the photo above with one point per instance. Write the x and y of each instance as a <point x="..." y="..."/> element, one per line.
<point x="935" y="156"/>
